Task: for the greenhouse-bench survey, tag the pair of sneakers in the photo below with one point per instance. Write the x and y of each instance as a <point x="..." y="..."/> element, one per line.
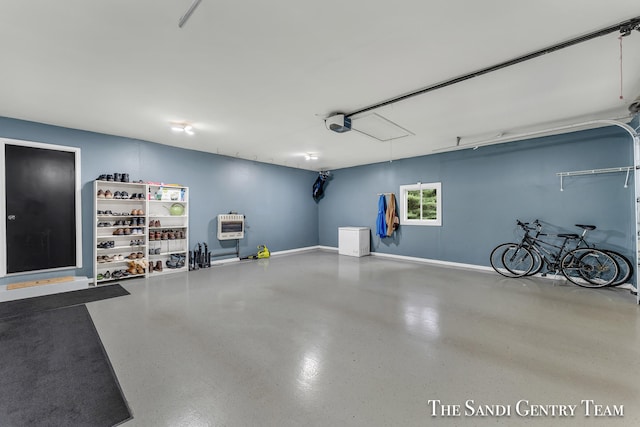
<point x="104" y="194"/>
<point x="176" y="261"/>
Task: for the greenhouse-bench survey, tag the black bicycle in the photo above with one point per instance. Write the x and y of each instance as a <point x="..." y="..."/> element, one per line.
<point x="581" y="264"/>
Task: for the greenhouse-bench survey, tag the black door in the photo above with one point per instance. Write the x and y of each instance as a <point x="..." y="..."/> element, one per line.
<point x="41" y="213"/>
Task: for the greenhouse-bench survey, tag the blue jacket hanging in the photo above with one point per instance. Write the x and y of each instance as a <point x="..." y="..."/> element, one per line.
<point x="381" y="223"/>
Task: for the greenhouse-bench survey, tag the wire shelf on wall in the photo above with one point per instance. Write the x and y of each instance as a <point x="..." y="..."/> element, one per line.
<point x="626" y="169"/>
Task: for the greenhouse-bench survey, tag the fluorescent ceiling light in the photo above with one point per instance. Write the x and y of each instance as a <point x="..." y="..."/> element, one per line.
<point x="310" y="156"/>
<point x="182" y="127"/>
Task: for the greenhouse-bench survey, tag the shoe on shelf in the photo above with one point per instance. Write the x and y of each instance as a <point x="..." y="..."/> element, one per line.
<point x="158" y="266"/>
<point x="108" y="194"/>
<point x="102" y="177"/>
<point x="109" y="177"/>
<point x="124" y="194"/>
<point x="100" y="194"/>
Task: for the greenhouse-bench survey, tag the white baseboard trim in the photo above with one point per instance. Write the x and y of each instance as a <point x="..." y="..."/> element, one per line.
<point x="225" y="261"/>
<point x="34" y="291"/>
<point x="327" y="248"/>
<point x="434" y="262"/>
<point x="296" y="250"/>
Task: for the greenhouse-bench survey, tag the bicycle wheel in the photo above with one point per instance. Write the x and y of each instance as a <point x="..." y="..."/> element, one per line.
<point x="625" y="268"/>
<point x="589" y="268"/>
<point x="516" y="264"/>
<point x="537" y="261"/>
<point x="517" y="260"/>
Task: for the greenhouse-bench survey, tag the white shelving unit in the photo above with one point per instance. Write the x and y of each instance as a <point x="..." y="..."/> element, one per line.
<point x="141" y="228"/>
<point x="173" y="244"/>
<point x="119" y="229"/>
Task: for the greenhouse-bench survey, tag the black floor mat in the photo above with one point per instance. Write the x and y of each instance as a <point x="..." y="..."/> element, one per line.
<point x="64" y="299"/>
<point x="54" y="371"/>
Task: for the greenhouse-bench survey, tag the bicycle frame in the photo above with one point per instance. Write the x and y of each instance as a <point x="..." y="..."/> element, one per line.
<point x="581" y="264"/>
<point x="549" y="259"/>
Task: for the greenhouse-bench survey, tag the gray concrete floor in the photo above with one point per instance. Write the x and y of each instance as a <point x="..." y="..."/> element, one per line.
<point x="318" y="339"/>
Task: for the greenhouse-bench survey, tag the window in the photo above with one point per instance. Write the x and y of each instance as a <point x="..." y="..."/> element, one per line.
<point x="421" y="204"/>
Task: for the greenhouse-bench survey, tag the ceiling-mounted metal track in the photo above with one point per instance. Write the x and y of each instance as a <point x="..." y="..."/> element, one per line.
<point x="625" y="28"/>
<point x="183" y="20"/>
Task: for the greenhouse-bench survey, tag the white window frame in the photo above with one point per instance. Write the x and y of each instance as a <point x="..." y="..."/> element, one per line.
<point x="404" y="189"/>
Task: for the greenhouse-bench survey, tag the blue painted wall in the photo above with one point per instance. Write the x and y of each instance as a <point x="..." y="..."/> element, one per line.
<point x="276" y="200"/>
<point x="485" y="190"/>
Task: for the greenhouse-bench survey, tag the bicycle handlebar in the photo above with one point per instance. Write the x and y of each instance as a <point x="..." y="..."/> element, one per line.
<point x="526" y="226"/>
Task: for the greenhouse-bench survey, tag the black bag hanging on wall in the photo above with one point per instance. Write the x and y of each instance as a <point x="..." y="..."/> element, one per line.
<point x="318" y="186"/>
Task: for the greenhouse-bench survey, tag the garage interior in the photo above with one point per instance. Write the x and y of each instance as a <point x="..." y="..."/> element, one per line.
<point x="517" y="112"/>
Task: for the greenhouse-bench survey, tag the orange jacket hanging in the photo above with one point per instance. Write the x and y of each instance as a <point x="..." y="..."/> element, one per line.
<point x="391" y="216"/>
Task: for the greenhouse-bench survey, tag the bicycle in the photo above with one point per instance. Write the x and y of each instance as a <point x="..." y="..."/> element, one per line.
<point x="582" y="266"/>
<point x="625" y="269"/>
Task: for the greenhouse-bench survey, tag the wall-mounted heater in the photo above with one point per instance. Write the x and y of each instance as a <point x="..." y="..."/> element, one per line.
<point x="230" y="226"/>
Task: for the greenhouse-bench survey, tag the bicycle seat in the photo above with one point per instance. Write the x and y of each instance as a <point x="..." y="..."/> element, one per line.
<point x="586" y="227"/>
<point x="569" y="236"/>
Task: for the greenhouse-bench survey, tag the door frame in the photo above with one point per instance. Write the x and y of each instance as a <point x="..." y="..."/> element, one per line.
<point x="3" y="204"/>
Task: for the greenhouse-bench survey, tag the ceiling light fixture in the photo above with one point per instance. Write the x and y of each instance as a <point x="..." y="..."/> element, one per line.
<point x="311" y="156"/>
<point x="182" y="127"/>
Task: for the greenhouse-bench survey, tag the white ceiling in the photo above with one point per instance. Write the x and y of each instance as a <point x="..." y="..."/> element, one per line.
<point x="257" y="78"/>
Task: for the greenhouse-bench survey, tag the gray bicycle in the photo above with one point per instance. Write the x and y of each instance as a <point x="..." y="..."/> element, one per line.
<point x="581" y="264"/>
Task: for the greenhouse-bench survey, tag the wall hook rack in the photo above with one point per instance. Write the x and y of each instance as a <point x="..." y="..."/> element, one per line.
<point x="626" y="169"/>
